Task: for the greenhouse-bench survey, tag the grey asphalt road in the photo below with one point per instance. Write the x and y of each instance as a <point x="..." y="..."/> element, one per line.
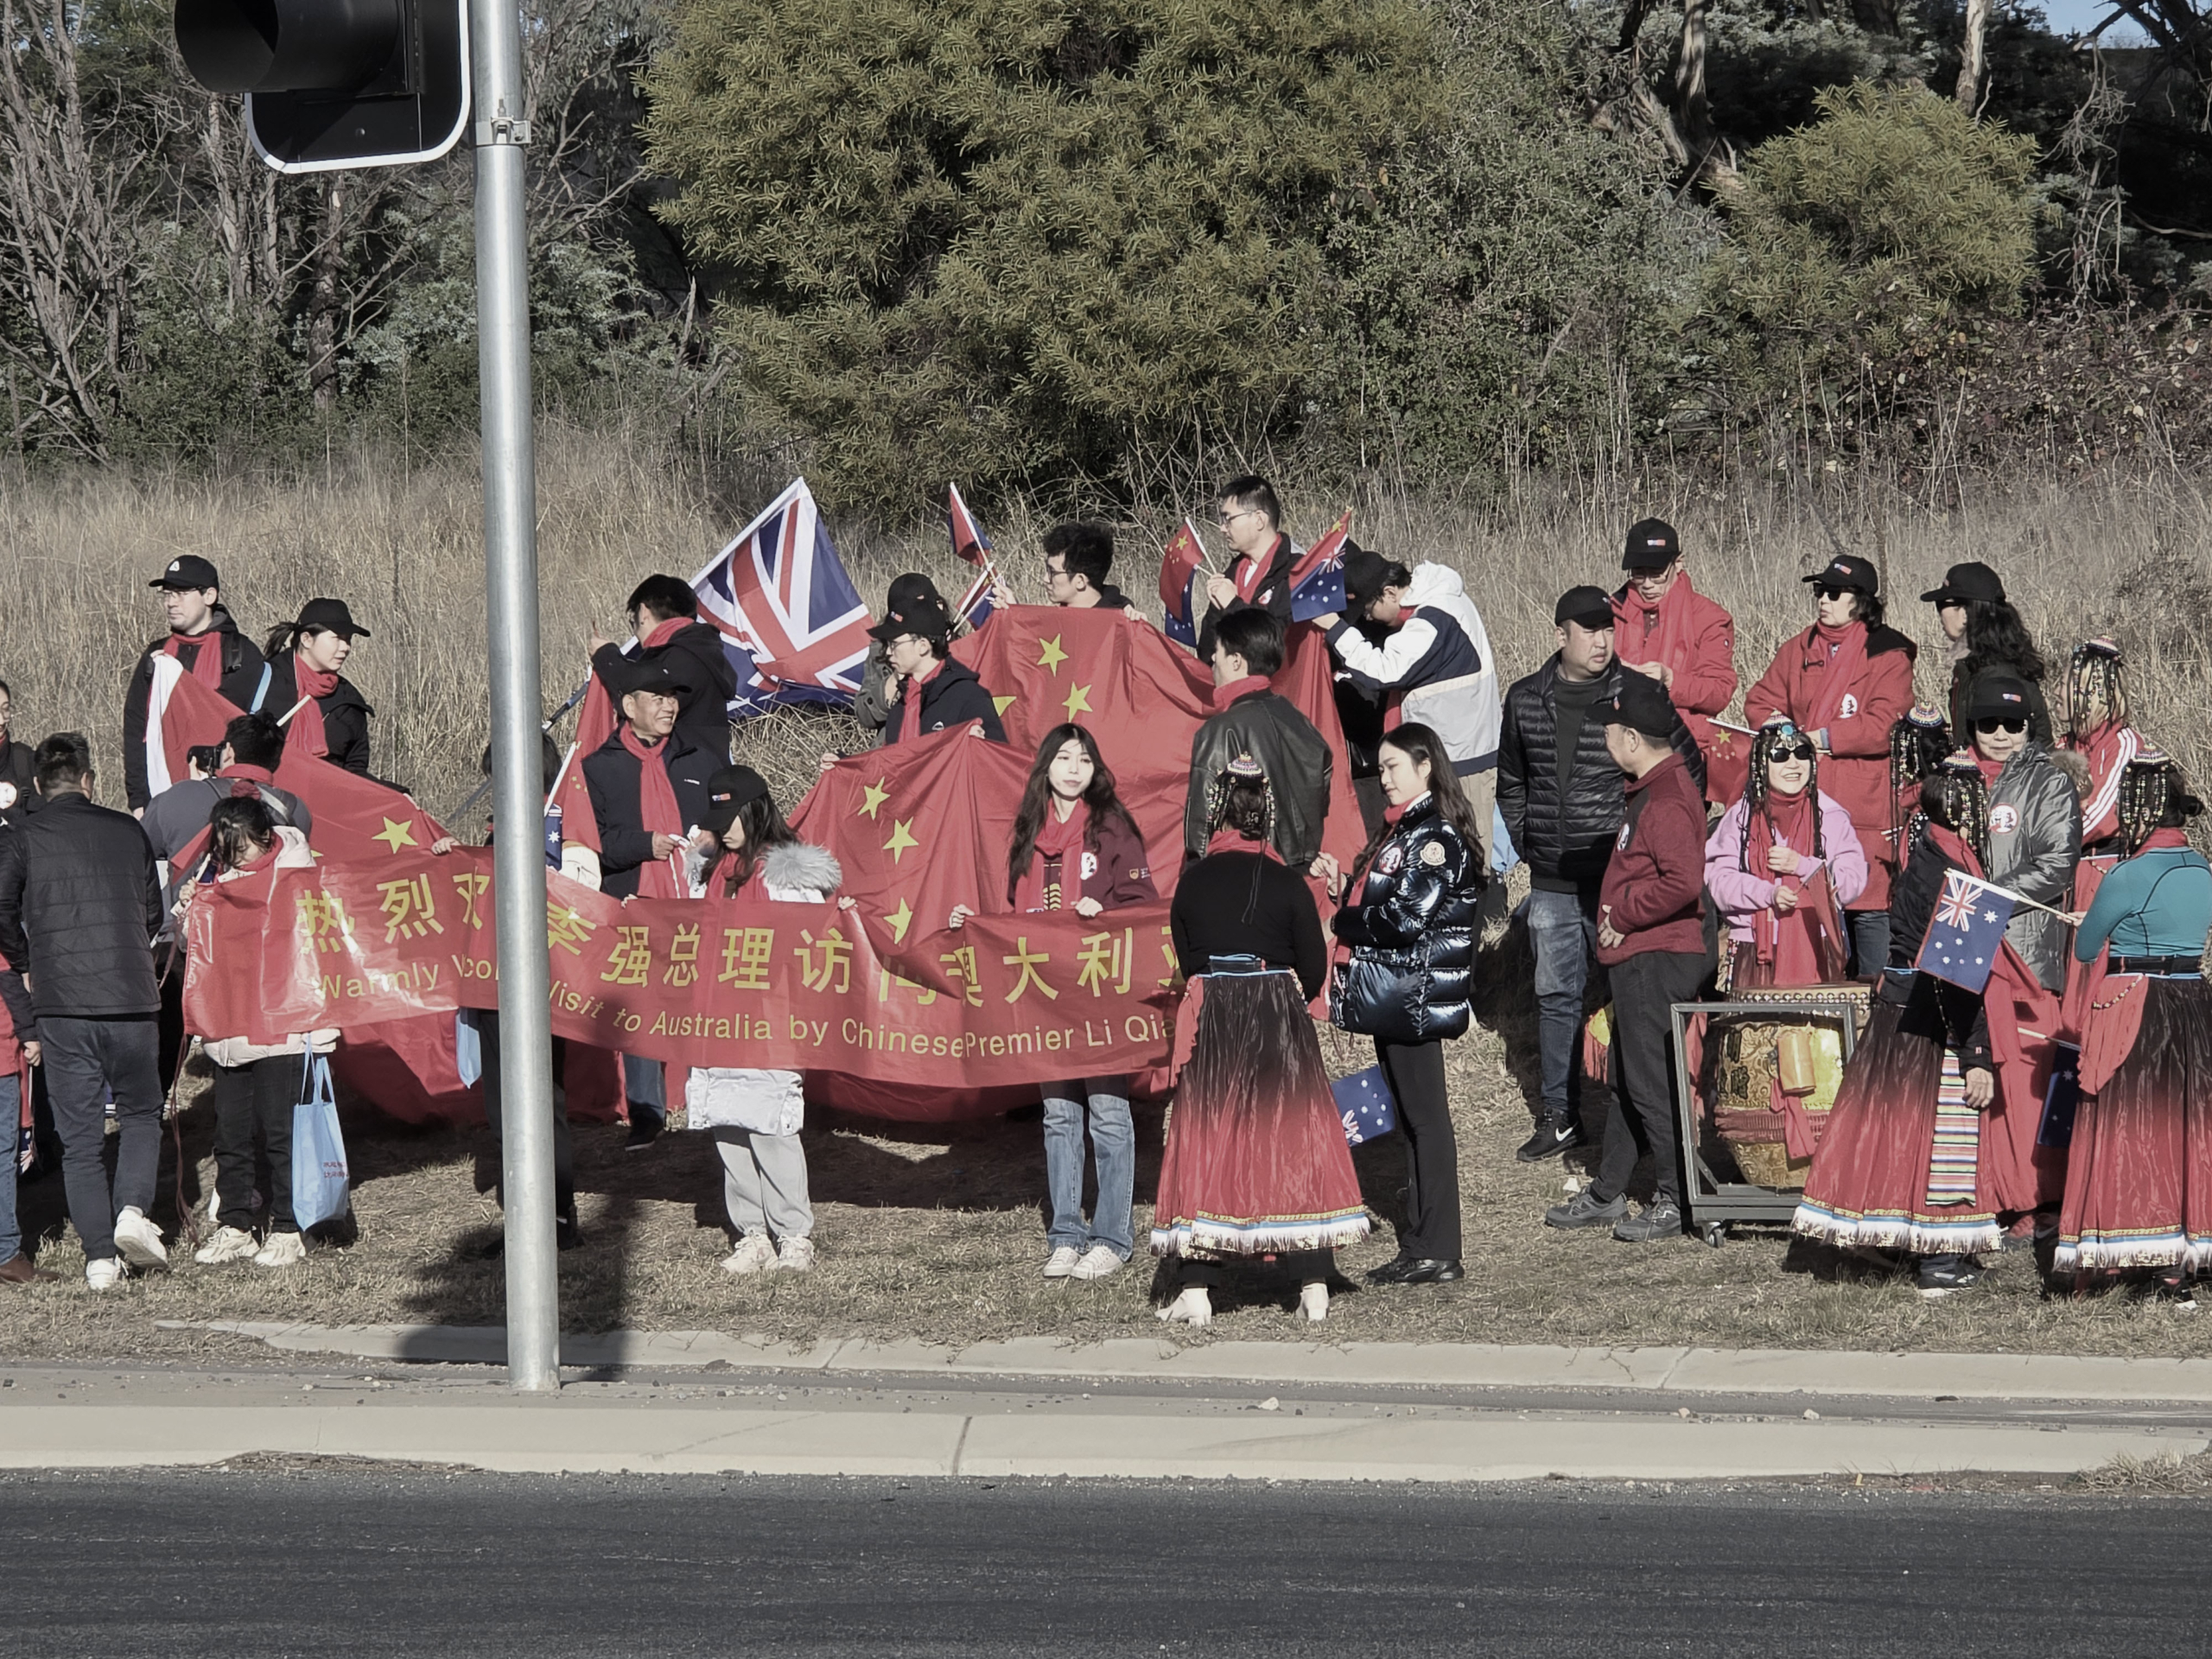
<point x="246" y="1563"/>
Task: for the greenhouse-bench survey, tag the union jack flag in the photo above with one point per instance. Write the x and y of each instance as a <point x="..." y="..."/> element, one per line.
<point x="791" y="621"/>
<point x="970" y="542"/>
<point x="1965" y="932"/>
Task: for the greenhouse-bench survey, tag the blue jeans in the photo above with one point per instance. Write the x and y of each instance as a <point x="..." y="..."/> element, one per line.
<point x="11" y="1111"/>
<point x="1869" y="941"/>
<point x="1563" y="929"/>
<point x="1113" y="1143"/>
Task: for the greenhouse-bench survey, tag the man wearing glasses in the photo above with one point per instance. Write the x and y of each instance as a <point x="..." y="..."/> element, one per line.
<point x="1259" y="575"/>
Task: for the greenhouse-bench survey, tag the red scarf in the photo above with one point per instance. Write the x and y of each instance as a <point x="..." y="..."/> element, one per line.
<point x="910" y="701"/>
<point x="1226" y="839"/>
<point x="1840" y="656"/>
<point x="1225" y="694"/>
<point x="1248" y="573"/>
<point x="658" y="811"/>
<point x="1655" y="633"/>
<point x="662" y="632"/>
<point x="1045" y="885"/>
<point x="314" y="684"/>
<point x="206" y="665"/>
<point x="1791" y="944"/>
<point x="243" y="779"/>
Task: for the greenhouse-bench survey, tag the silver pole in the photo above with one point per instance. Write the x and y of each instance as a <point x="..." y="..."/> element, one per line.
<point x="510" y="581"/>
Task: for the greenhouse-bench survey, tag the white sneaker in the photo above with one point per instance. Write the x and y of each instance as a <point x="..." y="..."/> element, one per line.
<point x="103" y="1273"/>
<point x="754" y="1252"/>
<point x="1193" y="1308"/>
<point x="1061" y="1262"/>
<point x="1313" y="1301"/>
<point x="282" y="1250"/>
<point x="1099" y="1261"/>
<point x="229" y="1244"/>
<point x="140" y="1241"/>
<point x="795" y="1256"/>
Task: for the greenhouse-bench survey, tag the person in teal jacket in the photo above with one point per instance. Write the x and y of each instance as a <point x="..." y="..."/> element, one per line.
<point x="2138" y="1177"/>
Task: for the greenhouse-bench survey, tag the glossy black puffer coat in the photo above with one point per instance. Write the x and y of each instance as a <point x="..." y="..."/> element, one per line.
<point x="1411" y="926"/>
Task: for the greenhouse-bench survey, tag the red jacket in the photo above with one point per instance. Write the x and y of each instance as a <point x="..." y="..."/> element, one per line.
<point x="1122" y="872"/>
<point x="1856" y="770"/>
<point x="1700" y="645"/>
<point x="1655" y="884"/>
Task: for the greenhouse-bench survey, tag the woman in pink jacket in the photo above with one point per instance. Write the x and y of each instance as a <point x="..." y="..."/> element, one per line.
<point x="1783" y="865"/>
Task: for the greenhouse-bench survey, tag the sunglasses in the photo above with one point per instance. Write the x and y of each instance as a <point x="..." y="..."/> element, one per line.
<point x="1800" y="750"/>
<point x="1832" y="592"/>
<point x="2013" y="723"/>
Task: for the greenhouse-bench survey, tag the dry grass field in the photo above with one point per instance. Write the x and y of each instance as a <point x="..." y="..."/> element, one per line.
<point x="938" y="1232"/>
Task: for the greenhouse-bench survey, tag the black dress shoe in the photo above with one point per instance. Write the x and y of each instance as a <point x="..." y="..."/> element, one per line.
<point x="1553" y="1135"/>
<point x="643" y="1133"/>
<point x="1391" y="1271"/>
<point x="1428" y="1271"/>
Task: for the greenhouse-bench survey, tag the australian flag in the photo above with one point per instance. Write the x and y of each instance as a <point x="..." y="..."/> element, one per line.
<point x="1965" y="932"/>
<point x="791" y="621"/>
<point x="1182" y="570"/>
<point x="1317" y="581"/>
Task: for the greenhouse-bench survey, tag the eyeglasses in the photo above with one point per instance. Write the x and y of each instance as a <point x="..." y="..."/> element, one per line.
<point x="1831" y="592"/>
<point x="2013" y="723"/>
<point x="1800" y="750"/>
<point x="1228" y="520"/>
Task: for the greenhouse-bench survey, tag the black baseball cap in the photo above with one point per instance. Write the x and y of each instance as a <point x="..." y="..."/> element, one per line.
<point x="1997" y="697"/>
<point x="656" y="676"/>
<point x="727" y="791"/>
<point x="1652" y="544"/>
<point x="925" y="617"/>
<point x="1855" y="575"/>
<point x="911" y="589"/>
<point x="1367" y="573"/>
<point x="1964" y="583"/>
<point x="187" y="573"/>
<point x="1589" y="608"/>
<point x="1642" y="704"/>
<point x="330" y="616"/>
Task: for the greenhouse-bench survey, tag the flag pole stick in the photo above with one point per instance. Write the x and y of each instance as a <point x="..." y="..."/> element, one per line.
<point x="294" y="709"/>
<point x="2022" y="899"/>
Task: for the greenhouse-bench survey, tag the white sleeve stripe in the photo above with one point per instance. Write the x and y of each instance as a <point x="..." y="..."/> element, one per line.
<point x="2106" y="799"/>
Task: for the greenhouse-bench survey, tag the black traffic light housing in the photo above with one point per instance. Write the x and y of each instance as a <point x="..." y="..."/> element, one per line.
<point x="335" y="83"/>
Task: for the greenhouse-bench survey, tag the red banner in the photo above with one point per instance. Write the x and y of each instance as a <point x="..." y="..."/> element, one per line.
<point x="1006" y="1000"/>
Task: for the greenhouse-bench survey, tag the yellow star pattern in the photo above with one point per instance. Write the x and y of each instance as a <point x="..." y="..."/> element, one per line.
<point x="873" y="796"/>
<point x="1051" y="656"/>
<point x="1078" y="701"/>
<point x="1001" y="705"/>
<point x="396" y="835"/>
<point x="900" y="841"/>
<point x="900" y="920"/>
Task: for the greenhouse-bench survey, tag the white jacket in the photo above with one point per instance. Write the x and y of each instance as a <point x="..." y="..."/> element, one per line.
<point x="1440" y="662"/>
<point x="743" y="1098"/>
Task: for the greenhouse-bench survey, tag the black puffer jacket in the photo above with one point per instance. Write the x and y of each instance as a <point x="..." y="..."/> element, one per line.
<point x="1412" y="932"/>
<point x="1565" y="842"/>
<point x="79" y="909"/>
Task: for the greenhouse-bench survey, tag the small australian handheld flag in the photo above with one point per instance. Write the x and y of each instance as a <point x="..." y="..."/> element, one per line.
<point x="1965" y="932"/>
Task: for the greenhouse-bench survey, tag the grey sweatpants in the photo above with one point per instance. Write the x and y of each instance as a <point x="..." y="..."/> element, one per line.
<point x="764" y="1183"/>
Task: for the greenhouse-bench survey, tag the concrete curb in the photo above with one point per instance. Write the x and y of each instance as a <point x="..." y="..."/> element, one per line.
<point x="1663" y="1370"/>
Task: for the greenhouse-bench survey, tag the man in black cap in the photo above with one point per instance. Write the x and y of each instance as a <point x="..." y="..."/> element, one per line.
<point x="1651" y="940"/>
<point x="1561" y="793"/>
<point x="665" y="615"/>
<point x="872" y="702"/>
<point x="648" y="796"/>
<point x="206" y="645"/>
<point x="1983" y="634"/>
<point x="934" y="693"/>
<point x="324" y="713"/>
<point x="1665" y="628"/>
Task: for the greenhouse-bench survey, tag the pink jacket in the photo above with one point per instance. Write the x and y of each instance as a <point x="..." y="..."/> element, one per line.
<point x="1742" y="895"/>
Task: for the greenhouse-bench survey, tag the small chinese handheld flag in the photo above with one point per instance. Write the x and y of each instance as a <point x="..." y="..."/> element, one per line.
<point x="1181" y="567"/>
<point x="1966" y="931"/>
<point x="1317" y="581"/>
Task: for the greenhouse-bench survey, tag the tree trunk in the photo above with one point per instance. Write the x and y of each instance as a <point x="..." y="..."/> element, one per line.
<point x="1971" y="63"/>
<point x="1693" y="113"/>
<point x="322" y="299"/>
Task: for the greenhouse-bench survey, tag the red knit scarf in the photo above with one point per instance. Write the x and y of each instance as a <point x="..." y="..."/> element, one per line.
<point x="1840" y="656"/>
<point x="662" y="632"/>
<point x="1045" y="885"/>
<point x="1226" y="839"/>
<point x="1787" y="944"/>
<point x="314" y="684"/>
<point x="1655" y="633"/>
<point x="1225" y="694"/>
<point x="206" y="665"/>
<point x="910" y="701"/>
<point x="657" y="811"/>
<point x="1249" y="572"/>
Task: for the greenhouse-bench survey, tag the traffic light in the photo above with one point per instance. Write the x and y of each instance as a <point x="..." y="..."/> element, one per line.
<point x="335" y="83"/>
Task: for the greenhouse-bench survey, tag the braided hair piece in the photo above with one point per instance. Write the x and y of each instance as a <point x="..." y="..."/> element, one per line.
<point x="1919" y="742"/>
<point x="2096" y="674"/>
<point x="1957" y="796"/>
<point x="1775" y="736"/>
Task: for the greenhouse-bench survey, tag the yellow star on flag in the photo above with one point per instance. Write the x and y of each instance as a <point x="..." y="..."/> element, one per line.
<point x="900" y="841"/>
<point x="873" y="796"/>
<point x="1078" y="701"/>
<point x="1052" y="656"/>
<point x="1001" y="705"/>
<point x="397" y="834"/>
<point x="900" y="920"/>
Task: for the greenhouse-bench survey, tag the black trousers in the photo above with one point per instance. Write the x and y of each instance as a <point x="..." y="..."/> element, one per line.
<point x="564" y="1156"/>
<point x="1642" y="1118"/>
<point x="250" y="1101"/>
<point x="1415" y="1073"/>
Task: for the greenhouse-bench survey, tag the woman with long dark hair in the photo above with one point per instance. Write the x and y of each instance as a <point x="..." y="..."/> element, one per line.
<point x="2098" y="729"/>
<point x="2139" y="1174"/>
<point x="1255" y="1162"/>
<point x="329" y="718"/>
<point x="1409" y="916"/>
<point x="755" y="1115"/>
<point x="1982" y="635"/>
<point x="1763" y="859"/>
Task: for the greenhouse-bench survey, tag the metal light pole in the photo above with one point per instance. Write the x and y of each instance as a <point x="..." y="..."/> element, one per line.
<point x="510" y="581"/>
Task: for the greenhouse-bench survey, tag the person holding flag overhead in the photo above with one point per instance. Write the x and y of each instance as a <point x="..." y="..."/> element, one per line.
<point x="1259" y="574"/>
<point x="206" y="645"/>
<point x="935" y="691"/>
<point x="1667" y="629"/>
<point x="665" y="615"/>
<point x="648" y="791"/>
<point x="1899" y="1166"/>
<point x="329" y="718"/>
<point x="1782" y="865"/>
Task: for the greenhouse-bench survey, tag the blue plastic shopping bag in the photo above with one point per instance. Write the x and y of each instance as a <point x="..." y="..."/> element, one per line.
<point x="1363" y="1102"/>
<point x="320" y="1178"/>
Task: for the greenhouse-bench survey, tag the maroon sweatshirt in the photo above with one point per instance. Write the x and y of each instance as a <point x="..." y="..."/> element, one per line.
<point x="1655" y="883"/>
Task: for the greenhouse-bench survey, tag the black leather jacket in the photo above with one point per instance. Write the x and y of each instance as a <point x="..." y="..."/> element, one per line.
<point x="1411" y="926"/>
